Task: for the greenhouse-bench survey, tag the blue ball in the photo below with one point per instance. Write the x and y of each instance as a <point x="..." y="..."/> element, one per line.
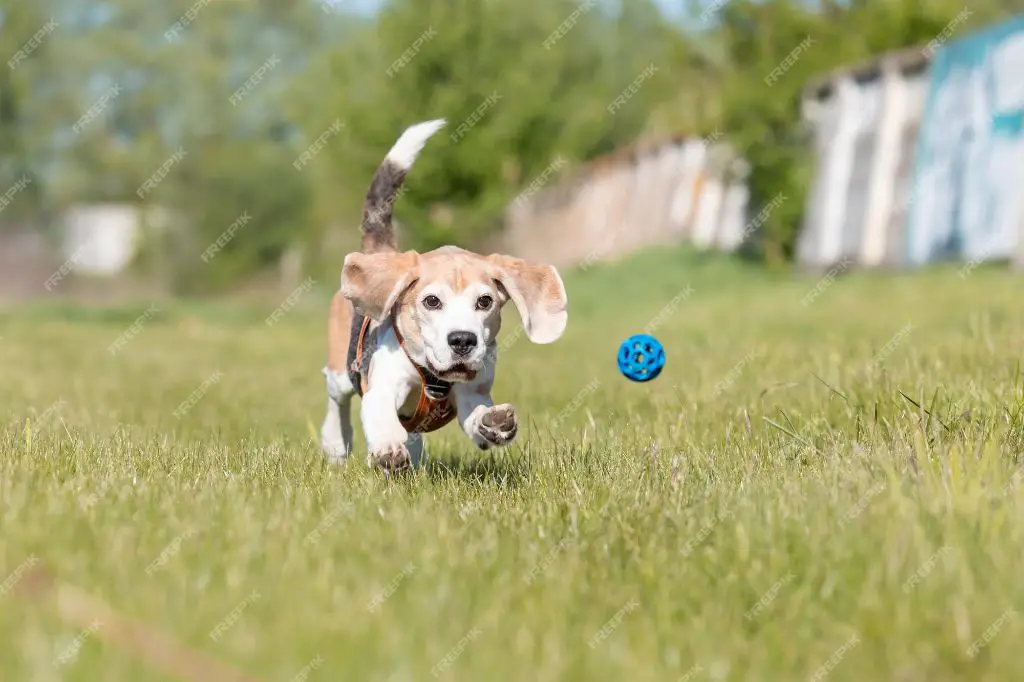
<point x="641" y="357"/>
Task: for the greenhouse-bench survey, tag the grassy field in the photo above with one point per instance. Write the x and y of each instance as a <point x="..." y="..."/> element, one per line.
<point x="822" y="484"/>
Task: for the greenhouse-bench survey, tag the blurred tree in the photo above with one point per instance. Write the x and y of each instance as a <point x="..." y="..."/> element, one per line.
<point x="28" y="55"/>
<point x="282" y="111"/>
<point x="518" y="92"/>
<point x="235" y="65"/>
<point x="187" y="94"/>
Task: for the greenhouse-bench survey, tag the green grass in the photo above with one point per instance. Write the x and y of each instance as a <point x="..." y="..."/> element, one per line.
<point x="848" y="464"/>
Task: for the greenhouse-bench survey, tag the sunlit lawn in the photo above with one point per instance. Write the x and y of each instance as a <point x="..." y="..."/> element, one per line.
<point x="817" y="486"/>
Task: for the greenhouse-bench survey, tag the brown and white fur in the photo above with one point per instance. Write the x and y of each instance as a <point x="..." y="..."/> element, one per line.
<point x="447" y="305"/>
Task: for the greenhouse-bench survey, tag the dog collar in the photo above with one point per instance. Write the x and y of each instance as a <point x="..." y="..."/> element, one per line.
<point x="434" y="408"/>
<point x="434" y="386"/>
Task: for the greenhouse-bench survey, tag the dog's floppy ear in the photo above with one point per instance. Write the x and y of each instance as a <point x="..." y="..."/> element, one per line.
<point x="538" y="293"/>
<point x="374" y="281"/>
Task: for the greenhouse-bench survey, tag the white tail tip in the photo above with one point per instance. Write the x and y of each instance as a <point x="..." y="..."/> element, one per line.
<point x="410" y="144"/>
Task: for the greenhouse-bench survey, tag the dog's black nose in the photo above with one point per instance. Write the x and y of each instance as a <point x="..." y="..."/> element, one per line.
<point x="462" y="343"/>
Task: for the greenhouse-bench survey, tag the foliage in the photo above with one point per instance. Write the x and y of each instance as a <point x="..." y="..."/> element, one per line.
<point x="516" y="100"/>
<point x="119" y="86"/>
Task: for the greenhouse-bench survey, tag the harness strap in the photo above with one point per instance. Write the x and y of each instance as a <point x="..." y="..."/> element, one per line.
<point x="430" y="413"/>
<point x="359" y="355"/>
<point x="433" y="385"/>
<point x="433" y="408"/>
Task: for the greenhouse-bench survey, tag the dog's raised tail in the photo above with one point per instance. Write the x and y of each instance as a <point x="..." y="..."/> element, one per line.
<point x="378" y="233"/>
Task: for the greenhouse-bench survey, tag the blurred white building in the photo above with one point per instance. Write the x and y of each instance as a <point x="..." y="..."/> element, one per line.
<point x="100" y="239"/>
<point x="665" y="191"/>
<point x="920" y="155"/>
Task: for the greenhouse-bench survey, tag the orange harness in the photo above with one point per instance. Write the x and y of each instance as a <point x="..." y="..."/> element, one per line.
<point x="435" y="407"/>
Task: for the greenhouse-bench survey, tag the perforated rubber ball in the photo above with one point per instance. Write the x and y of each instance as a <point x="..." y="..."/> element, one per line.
<point x="641" y="357"/>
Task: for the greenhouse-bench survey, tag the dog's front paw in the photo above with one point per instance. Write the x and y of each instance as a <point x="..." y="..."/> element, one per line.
<point x="392" y="458"/>
<point x="498" y="426"/>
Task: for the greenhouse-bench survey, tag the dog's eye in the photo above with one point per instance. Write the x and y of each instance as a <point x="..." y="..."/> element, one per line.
<point x="484" y="302"/>
<point x="432" y="302"/>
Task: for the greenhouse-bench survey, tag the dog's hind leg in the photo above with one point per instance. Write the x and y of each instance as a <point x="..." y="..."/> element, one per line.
<point x="336" y="432"/>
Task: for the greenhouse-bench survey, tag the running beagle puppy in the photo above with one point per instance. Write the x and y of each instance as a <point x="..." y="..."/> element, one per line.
<point x="415" y="335"/>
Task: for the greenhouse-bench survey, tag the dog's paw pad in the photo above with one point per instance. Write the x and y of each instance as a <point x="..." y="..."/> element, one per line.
<point x="498" y="425"/>
<point x="500" y="417"/>
<point x="392" y="458"/>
